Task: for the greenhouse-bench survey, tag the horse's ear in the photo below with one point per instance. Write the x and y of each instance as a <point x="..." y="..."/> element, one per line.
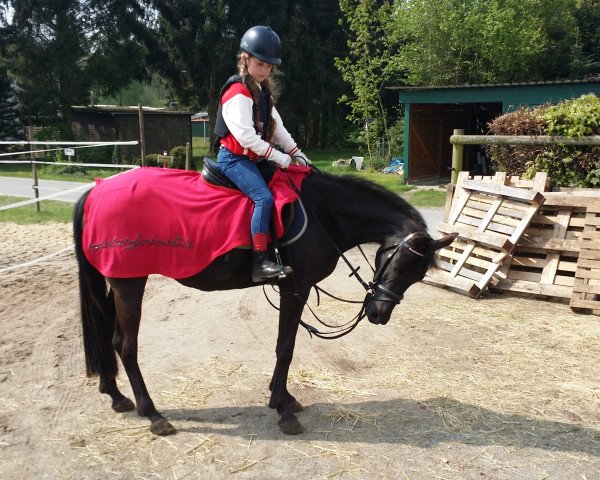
<point x="444" y="241"/>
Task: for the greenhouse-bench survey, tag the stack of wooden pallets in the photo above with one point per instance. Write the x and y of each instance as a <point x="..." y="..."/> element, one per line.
<point x="514" y="236"/>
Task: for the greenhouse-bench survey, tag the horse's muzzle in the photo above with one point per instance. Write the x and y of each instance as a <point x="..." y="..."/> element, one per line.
<point x="380" y="303"/>
<point x="377" y="311"/>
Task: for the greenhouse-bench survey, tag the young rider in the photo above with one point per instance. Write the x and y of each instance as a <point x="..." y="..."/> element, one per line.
<point x="247" y="123"/>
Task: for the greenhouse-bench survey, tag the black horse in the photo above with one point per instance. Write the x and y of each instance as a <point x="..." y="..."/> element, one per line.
<point x="343" y="212"/>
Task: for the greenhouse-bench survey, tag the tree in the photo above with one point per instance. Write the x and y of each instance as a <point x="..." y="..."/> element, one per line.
<point x="192" y="48"/>
<point x="586" y="51"/>
<point x="11" y="127"/>
<point x="46" y="43"/>
<point x="454" y="42"/>
<point x="367" y="68"/>
<point x="559" y="39"/>
<point x="115" y="57"/>
<point x="195" y="44"/>
<point x="312" y="84"/>
<point x="60" y="51"/>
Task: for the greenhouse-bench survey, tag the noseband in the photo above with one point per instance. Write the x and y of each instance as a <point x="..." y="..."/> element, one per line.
<point x="379" y="291"/>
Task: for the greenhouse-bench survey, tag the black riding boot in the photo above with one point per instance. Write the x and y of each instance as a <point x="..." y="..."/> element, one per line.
<point x="263" y="268"/>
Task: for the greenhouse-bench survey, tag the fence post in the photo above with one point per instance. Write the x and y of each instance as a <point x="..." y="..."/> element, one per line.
<point x="457" y="157"/>
<point x="142" y="135"/>
<point x="36" y="192"/>
<point x="188" y="156"/>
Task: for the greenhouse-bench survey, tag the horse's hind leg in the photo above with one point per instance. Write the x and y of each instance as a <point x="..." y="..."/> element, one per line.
<point x="108" y="383"/>
<point x="128" y="294"/>
<point x="120" y="403"/>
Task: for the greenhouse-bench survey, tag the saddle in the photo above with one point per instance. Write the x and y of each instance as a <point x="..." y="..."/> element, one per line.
<point x="212" y="173"/>
<point x="293" y="215"/>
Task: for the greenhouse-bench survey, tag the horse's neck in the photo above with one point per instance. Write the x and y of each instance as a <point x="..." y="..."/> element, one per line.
<point x="363" y="216"/>
<point x="356" y="230"/>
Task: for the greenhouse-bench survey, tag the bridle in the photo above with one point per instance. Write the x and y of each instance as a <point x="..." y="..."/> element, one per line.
<point x="375" y="291"/>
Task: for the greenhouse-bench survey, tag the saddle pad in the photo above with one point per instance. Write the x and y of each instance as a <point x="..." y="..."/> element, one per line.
<point x="171" y="222"/>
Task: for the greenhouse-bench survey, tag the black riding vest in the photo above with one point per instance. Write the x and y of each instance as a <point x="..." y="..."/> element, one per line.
<point x="263" y="106"/>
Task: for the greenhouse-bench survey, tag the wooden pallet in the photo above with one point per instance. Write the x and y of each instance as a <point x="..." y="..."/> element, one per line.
<point x="540" y="183"/>
<point x="489" y="218"/>
<point x="586" y="285"/>
<point x="545" y="260"/>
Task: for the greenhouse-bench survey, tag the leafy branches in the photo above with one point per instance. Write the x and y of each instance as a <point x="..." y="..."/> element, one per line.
<point x="567" y="165"/>
<point x="61" y="51"/>
<point x="369" y="65"/>
<point x="453" y="42"/>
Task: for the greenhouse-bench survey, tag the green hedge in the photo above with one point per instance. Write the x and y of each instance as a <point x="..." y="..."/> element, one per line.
<point x="567" y="166"/>
<point x="177" y="155"/>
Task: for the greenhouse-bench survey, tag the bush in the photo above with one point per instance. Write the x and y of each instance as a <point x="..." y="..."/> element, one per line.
<point x="48" y="134"/>
<point x="71" y="170"/>
<point x="102" y="155"/>
<point x="396" y="133"/>
<point x="178" y="156"/>
<point x="567" y="166"/>
<point x="151" y="160"/>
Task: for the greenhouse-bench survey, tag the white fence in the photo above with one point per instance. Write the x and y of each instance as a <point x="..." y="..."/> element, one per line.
<point x="35" y="185"/>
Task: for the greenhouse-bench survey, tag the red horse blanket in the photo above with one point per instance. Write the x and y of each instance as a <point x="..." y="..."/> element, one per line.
<point x="171" y="222"/>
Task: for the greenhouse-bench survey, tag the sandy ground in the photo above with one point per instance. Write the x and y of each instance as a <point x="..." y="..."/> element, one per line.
<point x="451" y="388"/>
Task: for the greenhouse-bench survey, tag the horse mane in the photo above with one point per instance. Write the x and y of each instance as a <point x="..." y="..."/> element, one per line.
<point x="369" y="188"/>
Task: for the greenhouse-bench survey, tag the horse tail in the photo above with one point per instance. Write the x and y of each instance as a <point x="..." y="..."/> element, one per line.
<point x="97" y="307"/>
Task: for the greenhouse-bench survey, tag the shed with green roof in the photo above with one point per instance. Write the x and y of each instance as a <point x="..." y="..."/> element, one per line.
<point x="431" y="114"/>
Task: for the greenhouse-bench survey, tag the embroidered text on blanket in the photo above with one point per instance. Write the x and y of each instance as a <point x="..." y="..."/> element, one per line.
<point x="131" y="244"/>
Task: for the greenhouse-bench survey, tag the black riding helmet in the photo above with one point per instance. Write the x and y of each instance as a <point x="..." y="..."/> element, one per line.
<point x="263" y="43"/>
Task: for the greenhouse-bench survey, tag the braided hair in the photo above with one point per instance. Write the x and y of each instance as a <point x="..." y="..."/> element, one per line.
<point x="268" y="85"/>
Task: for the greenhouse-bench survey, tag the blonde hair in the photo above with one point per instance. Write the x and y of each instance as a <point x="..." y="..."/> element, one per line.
<point x="269" y="85"/>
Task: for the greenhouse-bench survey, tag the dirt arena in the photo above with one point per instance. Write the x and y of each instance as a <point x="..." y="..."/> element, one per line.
<point x="451" y="388"/>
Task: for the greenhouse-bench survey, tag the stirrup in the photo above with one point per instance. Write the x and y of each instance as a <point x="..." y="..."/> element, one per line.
<point x="283" y="272"/>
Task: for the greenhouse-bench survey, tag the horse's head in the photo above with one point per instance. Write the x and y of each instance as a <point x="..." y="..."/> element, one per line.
<point x="400" y="262"/>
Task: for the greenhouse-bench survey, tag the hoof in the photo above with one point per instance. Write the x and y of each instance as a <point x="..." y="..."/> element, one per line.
<point x="291" y="427"/>
<point x="295" y="406"/>
<point x="162" y="427"/>
<point x="124" y="405"/>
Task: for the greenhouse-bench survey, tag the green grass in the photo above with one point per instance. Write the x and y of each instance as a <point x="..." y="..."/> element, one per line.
<point x="200" y="147"/>
<point x="430" y="198"/>
<point x="56" y="172"/>
<point x="50" y="211"/>
<point x="323" y="161"/>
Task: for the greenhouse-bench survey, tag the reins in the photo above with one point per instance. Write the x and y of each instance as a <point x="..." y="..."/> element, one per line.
<point x="340" y="331"/>
<point x="374" y="289"/>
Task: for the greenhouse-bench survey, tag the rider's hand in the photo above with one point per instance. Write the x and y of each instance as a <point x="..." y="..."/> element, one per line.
<point x="281" y="159"/>
<point x="301" y="158"/>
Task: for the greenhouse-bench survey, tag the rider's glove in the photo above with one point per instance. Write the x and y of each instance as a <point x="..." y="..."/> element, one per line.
<point x="301" y="158"/>
<point x="281" y="159"/>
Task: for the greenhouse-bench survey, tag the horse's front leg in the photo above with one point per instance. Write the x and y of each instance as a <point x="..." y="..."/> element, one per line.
<point x="291" y="306"/>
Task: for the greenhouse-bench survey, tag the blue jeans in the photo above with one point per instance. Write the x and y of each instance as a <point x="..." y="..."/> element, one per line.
<point x="244" y="173"/>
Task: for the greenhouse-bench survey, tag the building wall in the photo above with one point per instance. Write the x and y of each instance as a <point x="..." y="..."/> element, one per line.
<point x="94" y="126"/>
<point x="511" y="96"/>
<point x="430" y="128"/>
<point x="162" y="131"/>
<point x="431" y="125"/>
